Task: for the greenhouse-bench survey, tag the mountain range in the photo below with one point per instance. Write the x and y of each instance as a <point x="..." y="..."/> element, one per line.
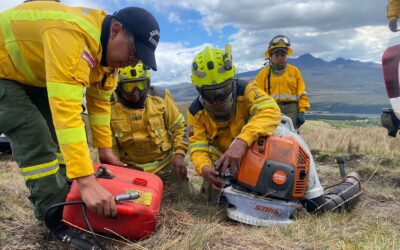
<point x="339" y="86"/>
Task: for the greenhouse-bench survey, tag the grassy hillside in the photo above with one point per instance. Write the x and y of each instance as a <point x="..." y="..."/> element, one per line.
<point x="193" y="224"/>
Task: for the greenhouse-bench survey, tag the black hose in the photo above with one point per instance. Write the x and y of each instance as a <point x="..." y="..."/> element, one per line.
<point x="78" y="243"/>
<point x="344" y="197"/>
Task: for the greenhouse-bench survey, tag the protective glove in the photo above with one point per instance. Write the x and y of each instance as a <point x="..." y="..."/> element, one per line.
<point x="393" y="24"/>
<point x="300" y="119"/>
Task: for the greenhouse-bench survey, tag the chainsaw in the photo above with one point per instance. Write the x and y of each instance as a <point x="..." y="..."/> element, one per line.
<point x="277" y="175"/>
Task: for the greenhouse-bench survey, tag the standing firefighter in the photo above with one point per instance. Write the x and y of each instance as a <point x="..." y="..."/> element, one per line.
<point x="49" y="53"/>
<point x="283" y="81"/>
<point x="226" y="118"/>
<point x="148" y="129"/>
<point x="393" y="11"/>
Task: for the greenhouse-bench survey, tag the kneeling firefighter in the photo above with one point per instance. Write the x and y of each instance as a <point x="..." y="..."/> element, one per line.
<point x="149" y="131"/>
<point x="276" y="174"/>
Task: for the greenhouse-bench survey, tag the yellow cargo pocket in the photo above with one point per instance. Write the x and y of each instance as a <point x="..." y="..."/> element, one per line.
<point x="157" y="128"/>
<point x="121" y="131"/>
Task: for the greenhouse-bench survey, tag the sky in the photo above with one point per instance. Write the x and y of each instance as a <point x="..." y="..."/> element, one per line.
<point x="327" y="29"/>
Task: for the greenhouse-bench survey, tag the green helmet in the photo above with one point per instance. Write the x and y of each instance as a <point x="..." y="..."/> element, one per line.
<point x="212" y="67"/>
<point x="130" y="74"/>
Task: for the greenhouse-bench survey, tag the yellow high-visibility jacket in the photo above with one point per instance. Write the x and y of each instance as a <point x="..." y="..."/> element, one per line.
<point x="288" y="87"/>
<point x="148" y="137"/>
<point x="256" y="115"/>
<point x="393" y="9"/>
<point x="50" y="45"/>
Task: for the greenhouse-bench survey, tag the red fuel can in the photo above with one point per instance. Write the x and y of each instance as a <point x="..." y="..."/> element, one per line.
<point x="136" y="219"/>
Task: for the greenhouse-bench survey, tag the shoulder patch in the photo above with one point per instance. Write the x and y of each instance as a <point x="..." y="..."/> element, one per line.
<point x="156" y="91"/>
<point x="240" y="87"/>
<point x="88" y="58"/>
<point x="195" y="107"/>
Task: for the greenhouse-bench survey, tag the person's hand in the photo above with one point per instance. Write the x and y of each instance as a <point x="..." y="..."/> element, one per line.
<point x="106" y="156"/>
<point x="179" y="166"/>
<point x="96" y="198"/>
<point x="393" y="24"/>
<point x="232" y="157"/>
<point x="300" y="119"/>
<point x="211" y="175"/>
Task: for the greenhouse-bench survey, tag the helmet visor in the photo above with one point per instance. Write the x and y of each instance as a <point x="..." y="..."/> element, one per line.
<point x="129" y="87"/>
<point x="217" y="92"/>
<point x="279" y="38"/>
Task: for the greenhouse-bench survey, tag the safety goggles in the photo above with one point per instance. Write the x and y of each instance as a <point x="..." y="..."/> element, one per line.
<point x="217" y="92"/>
<point x="279" y="38"/>
<point x="129" y="87"/>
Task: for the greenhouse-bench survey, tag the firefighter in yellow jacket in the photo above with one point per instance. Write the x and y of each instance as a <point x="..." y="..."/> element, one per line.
<point x="49" y="53"/>
<point x="393" y="11"/>
<point x="148" y="129"/>
<point x="226" y="118"/>
<point x="283" y="81"/>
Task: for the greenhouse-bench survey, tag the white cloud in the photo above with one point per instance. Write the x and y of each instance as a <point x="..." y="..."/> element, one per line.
<point x="173" y="63"/>
<point x="355" y="29"/>
<point x="173" y="17"/>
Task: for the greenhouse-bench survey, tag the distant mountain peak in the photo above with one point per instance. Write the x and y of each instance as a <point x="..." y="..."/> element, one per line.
<point x="306" y="56"/>
<point x="306" y="59"/>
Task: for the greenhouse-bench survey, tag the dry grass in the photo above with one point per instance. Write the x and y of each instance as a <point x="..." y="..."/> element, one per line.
<point x="372" y="141"/>
<point x="194" y="224"/>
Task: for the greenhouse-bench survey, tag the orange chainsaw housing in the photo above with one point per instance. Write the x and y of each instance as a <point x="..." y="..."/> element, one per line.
<point x="275" y="166"/>
<point x="136" y="219"/>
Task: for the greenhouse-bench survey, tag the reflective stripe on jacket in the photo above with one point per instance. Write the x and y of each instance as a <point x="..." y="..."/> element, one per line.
<point x="148" y="138"/>
<point x="393" y="9"/>
<point x="256" y="115"/>
<point x="288" y="87"/>
<point x="48" y="44"/>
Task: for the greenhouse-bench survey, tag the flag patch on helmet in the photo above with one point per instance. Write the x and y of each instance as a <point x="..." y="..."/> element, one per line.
<point x="88" y="58"/>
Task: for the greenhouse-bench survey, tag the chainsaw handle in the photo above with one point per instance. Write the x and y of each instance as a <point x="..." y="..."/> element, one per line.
<point x="125" y="210"/>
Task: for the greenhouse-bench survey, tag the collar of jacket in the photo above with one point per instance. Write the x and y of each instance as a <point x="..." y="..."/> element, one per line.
<point x="105" y="33"/>
<point x="132" y="105"/>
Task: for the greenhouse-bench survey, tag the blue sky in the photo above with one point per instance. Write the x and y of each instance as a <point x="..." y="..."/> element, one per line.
<point x="352" y="29"/>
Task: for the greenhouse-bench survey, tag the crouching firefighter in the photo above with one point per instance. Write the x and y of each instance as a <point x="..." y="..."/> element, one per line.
<point x="278" y="172"/>
<point x="226" y="118"/>
<point x="149" y="131"/>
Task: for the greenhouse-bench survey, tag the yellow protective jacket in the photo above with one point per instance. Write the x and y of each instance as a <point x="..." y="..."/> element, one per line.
<point x="50" y="45"/>
<point x="148" y="137"/>
<point x="256" y="115"/>
<point x="288" y="87"/>
<point x="393" y="9"/>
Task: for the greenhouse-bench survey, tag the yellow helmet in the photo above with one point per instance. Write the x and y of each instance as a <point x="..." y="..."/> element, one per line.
<point x="279" y="41"/>
<point x="212" y="66"/>
<point x="131" y="74"/>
